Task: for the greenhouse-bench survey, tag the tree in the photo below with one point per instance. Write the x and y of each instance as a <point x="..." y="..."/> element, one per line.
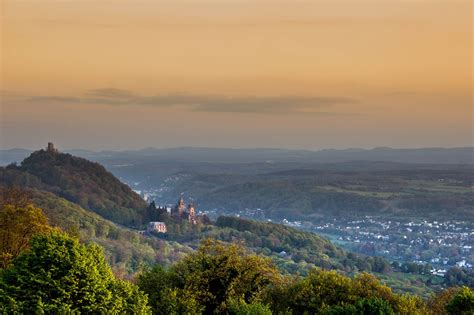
<point x="159" y="284"/>
<point x="239" y="307"/>
<point x="14" y="196"/>
<point x="19" y="221"/>
<point x="372" y="306"/>
<point x="459" y="277"/>
<point x="462" y="303"/>
<point x="209" y="279"/>
<point x="217" y="273"/>
<point x="437" y="302"/>
<point x="328" y="291"/>
<point x="60" y="275"/>
<point x="320" y="289"/>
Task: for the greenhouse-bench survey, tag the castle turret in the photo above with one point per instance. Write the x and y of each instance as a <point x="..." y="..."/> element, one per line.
<point x="179" y="208"/>
<point x="192" y="213"/>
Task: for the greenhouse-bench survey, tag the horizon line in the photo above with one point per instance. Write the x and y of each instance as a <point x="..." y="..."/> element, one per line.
<point x="249" y="148"/>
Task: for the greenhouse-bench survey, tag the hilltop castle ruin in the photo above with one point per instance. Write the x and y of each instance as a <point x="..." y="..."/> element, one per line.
<point x="51" y="149"/>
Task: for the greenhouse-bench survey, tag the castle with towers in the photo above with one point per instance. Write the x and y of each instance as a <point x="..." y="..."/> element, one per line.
<point x="180" y="211"/>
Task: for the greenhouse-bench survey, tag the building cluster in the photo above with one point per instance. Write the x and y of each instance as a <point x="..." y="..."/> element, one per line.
<point x="179" y="211"/>
<point x="442" y="244"/>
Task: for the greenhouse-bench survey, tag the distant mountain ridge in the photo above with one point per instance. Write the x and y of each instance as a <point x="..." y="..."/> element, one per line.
<point x="461" y="155"/>
<point x="78" y="180"/>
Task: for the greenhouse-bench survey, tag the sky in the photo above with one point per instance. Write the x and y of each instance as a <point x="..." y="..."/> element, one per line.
<point x="129" y="74"/>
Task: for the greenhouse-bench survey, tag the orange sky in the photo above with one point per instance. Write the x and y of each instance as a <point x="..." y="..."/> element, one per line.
<point x="235" y="73"/>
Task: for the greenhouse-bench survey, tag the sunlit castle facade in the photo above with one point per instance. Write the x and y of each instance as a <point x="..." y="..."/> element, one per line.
<point x="180" y="211"/>
<point x="192" y="214"/>
<point x="156" y="227"/>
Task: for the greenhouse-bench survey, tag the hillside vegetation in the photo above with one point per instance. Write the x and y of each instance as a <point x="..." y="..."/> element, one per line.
<point x="293" y="250"/>
<point x="252" y="268"/>
<point x="126" y="249"/>
<point x="309" y="194"/>
<point x="85" y="183"/>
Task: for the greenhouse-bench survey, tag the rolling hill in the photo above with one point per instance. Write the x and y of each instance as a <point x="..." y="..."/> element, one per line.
<point x="78" y="180"/>
<point x="126" y="249"/>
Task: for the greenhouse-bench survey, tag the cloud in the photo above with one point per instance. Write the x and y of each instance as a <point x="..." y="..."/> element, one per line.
<point x="73" y="100"/>
<point x="207" y="103"/>
<point x="282" y="104"/>
<point x="401" y="93"/>
<point x="112" y="93"/>
<point x="54" y="99"/>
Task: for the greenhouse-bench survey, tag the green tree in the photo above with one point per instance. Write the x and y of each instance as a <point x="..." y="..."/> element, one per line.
<point x="462" y="303"/>
<point x="372" y="306"/>
<point x="163" y="295"/>
<point x="19" y="221"/>
<point x="328" y="291"/>
<point x="208" y="279"/>
<point x="217" y="273"/>
<point x="240" y="307"/>
<point x="319" y="290"/>
<point x="437" y="302"/>
<point x="59" y="275"/>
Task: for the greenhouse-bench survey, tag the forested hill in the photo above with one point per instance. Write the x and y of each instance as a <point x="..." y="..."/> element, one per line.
<point x="293" y="250"/>
<point x="83" y="182"/>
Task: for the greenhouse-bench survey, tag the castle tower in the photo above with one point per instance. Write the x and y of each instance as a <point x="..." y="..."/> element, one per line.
<point x="192" y="213"/>
<point x="181" y="206"/>
<point x="50" y="148"/>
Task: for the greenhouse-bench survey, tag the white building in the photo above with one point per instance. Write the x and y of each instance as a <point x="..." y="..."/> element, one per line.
<point x="156" y="227"/>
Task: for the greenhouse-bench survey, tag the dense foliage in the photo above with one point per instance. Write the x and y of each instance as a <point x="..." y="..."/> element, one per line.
<point x="126" y="249"/>
<point x="459" y="277"/>
<point x="25" y="213"/>
<point x="57" y="274"/>
<point x="208" y="280"/>
<point x="462" y="303"/>
<point x="330" y="292"/>
<point x="48" y="271"/>
<point x="293" y="250"/>
<point x="313" y="190"/>
<point x="228" y="279"/>
<point x="60" y="275"/>
<point x="19" y="221"/>
<point x="78" y="180"/>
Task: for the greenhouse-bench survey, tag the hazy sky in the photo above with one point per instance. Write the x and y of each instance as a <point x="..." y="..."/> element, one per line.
<point x="236" y="73"/>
